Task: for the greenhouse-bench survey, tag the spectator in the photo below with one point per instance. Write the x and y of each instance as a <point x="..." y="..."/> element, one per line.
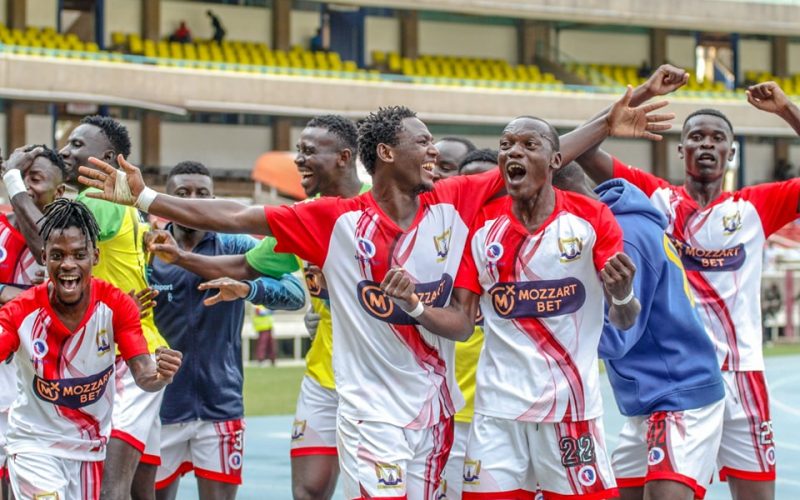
<point x="265" y="345"/>
<point x="644" y="70"/>
<point x="317" y="43"/>
<point x="181" y="34"/>
<point x="216" y="25"/>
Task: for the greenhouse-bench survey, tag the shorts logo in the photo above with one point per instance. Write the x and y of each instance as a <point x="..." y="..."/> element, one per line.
<point x="731" y="223"/>
<point x="298" y="430"/>
<point x="442" y="244"/>
<point x="73" y="392"/>
<point x="102" y="342"/>
<point x="389" y="475"/>
<point x="570" y="249"/>
<point x="441" y="491"/>
<point x="235" y="460"/>
<point x="494" y="252"/>
<point x="770" y="455"/>
<point x="365" y="249"/>
<point x="587" y="476"/>
<point x="46" y="496"/>
<point x="40" y="348"/>
<point x="472" y="471"/>
<point x="655" y="456"/>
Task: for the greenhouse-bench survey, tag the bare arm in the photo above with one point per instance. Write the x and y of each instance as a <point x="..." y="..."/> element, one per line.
<point x="769" y="97"/>
<point x="8" y="293"/>
<point x="598" y="164"/>
<point x="26" y="213"/>
<point x="617" y="276"/>
<point x="153" y="376"/>
<point x="454" y="322"/>
<point x="223" y="216"/>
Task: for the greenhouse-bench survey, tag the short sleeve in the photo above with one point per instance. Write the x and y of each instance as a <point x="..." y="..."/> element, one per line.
<point x="128" y="327"/>
<point x="264" y="259"/>
<point x="609" y="237"/>
<point x="109" y="215"/>
<point x="775" y="202"/>
<point x="305" y="228"/>
<point x="467" y="276"/>
<point x="469" y="193"/>
<point x="639" y="178"/>
<point x="9" y="336"/>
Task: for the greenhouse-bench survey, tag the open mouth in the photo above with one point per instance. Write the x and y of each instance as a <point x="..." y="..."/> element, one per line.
<point x="706" y="159"/>
<point x="68" y="282"/>
<point x="428" y="166"/>
<point x="515" y="171"/>
<point x="306" y="176"/>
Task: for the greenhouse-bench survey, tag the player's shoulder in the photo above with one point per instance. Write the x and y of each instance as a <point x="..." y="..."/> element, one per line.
<point x="27" y="301"/>
<point x="109" y="294"/>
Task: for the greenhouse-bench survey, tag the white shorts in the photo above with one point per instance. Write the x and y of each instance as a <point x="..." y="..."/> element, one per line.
<point x="676" y="446"/>
<point x="3" y="430"/>
<point x="314" y="426"/>
<point x="454" y="470"/>
<point x="213" y="450"/>
<point x="510" y="459"/>
<point x="135" y="418"/>
<point x="747" y="450"/>
<point x="45" y="477"/>
<point x="379" y="460"/>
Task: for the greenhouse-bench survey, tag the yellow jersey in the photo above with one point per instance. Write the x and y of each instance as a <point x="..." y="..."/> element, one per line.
<point x="467" y="355"/>
<point x="122" y="261"/>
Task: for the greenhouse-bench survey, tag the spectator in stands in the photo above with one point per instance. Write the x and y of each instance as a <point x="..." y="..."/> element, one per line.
<point x="181" y="34"/>
<point x="644" y="70"/>
<point x="317" y="43"/>
<point x="265" y="345"/>
<point x="772" y="301"/>
<point x="216" y="25"/>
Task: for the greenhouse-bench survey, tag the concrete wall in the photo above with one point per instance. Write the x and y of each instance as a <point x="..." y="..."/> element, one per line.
<point x="468" y="40"/>
<point x="217" y="146"/>
<point x="754" y="55"/>
<point x="604" y="47"/>
<point x="40" y="13"/>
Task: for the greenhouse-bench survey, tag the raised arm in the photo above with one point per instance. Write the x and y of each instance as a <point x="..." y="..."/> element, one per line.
<point x="454" y="322"/>
<point x="153" y="376"/>
<point x="598" y="164"/>
<point x="162" y="245"/>
<point x="26" y="212"/>
<point x="769" y="97"/>
<point x="126" y="187"/>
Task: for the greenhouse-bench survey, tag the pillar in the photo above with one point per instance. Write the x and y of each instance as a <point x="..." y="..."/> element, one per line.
<point x="281" y="133"/>
<point x="534" y="41"/>
<point x="658" y="47"/>
<point x="151" y="20"/>
<point x="659" y="158"/>
<point x="16" y="14"/>
<point x="281" y="24"/>
<point x="16" y="135"/>
<point x="409" y="33"/>
<point x="151" y="139"/>
<point x="779" y="65"/>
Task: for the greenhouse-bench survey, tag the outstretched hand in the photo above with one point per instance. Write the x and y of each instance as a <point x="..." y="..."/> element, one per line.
<point x="398" y="286"/>
<point x="229" y="289"/>
<point x="626" y="121"/>
<point x="768" y="96"/>
<point x="104" y="177"/>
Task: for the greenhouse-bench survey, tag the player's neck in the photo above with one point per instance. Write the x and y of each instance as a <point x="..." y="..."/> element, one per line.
<point x="703" y="192"/>
<point x="534" y="211"/>
<point x="347" y="186"/>
<point x="401" y="207"/>
<point x="187" y="239"/>
<point x="69" y="314"/>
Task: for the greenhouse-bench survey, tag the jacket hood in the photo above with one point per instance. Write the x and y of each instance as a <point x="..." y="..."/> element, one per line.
<point x="622" y="198"/>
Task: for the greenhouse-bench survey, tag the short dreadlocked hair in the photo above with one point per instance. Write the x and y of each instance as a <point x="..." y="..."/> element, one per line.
<point x="52" y="155"/>
<point x="63" y="214"/>
<point x="478" y="155"/>
<point x="708" y="112"/>
<point x="461" y="140"/>
<point x="345" y="130"/>
<point x="115" y="132"/>
<point x="188" y="167"/>
<point x="380" y="127"/>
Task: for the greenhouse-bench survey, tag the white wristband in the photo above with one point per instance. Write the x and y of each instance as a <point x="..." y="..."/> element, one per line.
<point x="145" y="199"/>
<point x="417" y="311"/>
<point x="14" y="183"/>
<point x="624" y="301"/>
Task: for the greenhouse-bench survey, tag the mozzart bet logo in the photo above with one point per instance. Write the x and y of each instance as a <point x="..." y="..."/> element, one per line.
<point x="73" y="392"/>
<point x="315" y="283"/>
<point x="379" y="306"/>
<point x="701" y="259"/>
<point x="539" y="299"/>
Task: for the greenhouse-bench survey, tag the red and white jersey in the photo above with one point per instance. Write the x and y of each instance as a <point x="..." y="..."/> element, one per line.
<point x="721" y="246"/>
<point x="67" y="378"/>
<point x="17" y="264"/>
<point x="543" y="306"/>
<point x="17" y="267"/>
<point x="387" y="367"/>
